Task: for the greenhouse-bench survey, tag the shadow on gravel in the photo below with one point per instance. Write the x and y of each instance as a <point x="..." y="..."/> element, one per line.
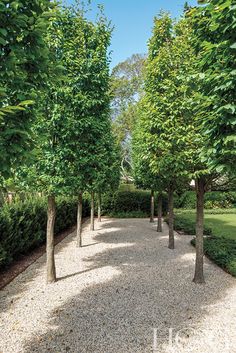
<point x="149" y="290"/>
<point x="14" y="289"/>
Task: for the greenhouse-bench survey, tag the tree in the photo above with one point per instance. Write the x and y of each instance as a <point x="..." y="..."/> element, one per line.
<point x="215" y="43"/>
<point x="213" y="103"/>
<point x="126" y="90"/>
<point x="143" y="176"/>
<point x="108" y="177"/>
<point x="127" y="84"/>
<point x="50" y="171"/>
<point x="87" y="105"/>
<point x="167" y="117"/>
<point x="24" y="60"/>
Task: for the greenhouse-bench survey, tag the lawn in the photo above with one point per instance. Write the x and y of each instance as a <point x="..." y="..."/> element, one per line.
<point x="221" y="224"/>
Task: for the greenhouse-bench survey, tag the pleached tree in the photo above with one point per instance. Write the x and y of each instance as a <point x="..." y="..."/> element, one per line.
<point x="73" y="116"/>
<point x="167" y="117"/>
<point x="213" y="104"/>
<point x="174" y="107"/>
<point x="86" y="62"/>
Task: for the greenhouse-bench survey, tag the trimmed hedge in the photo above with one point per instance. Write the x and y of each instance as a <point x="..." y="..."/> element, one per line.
<point x="213" y="199"/>
<point x="131" y="202"/>
<point x="23" y="224"/>
<point x="219" y="249"/>
<point x="222" y="251"/>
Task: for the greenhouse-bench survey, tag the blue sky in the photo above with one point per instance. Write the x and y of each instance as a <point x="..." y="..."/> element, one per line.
<point x="133" y="21"/>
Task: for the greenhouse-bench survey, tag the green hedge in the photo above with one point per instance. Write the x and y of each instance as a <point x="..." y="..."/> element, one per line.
<point x="23" y="224"/>
<point x="213" y="199"/>
<point x="222" y="251"/>
<point x="130" y="202"/>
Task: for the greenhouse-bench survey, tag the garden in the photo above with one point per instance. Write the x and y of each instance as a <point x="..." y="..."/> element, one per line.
<point x="117" y="181"/>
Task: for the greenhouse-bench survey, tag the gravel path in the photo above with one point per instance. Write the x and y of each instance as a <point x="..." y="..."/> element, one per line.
<point x="123" y="292"/>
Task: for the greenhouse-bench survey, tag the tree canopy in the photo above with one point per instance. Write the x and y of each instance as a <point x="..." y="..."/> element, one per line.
<point x="24" y="68"/>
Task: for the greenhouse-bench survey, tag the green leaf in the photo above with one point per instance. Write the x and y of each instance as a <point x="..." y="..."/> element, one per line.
<point x="3" y="31"/>
<point x="2" y="41"/>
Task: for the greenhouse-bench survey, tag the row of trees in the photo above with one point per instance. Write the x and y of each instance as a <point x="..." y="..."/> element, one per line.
<point x="185" y="128"/>
<point x="55" y="132"/>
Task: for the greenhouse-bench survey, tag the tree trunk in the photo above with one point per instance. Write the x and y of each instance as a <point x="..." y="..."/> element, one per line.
<point x="171" y="217"/>
<point x="92" y="212"/>
<point x="79" y="221"/>
<point x="200" y="191"/>
<point x="99" y="206"/>
<point x="152" y="206"/>
<point x="159" y="219"/>
<point x="51" y="215"/>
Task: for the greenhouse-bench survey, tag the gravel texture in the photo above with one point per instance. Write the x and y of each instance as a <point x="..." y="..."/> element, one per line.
<point x="123" y="292"/>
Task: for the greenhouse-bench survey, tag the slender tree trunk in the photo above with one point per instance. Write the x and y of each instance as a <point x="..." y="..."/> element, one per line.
<point x="152" y="206"/>
<point x="79" y="221"/>
<point x="9" y="197"/>
<point x="99" y="206"/>
<point x="159" y="219"/>
<point x="92" y="212"/>
<point x="171" y="217"/>
<point x="51" y="215"/>
<point x="200" y="191"/>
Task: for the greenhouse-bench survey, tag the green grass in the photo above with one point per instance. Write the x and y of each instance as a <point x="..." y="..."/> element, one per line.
<point x="221" y="224"/>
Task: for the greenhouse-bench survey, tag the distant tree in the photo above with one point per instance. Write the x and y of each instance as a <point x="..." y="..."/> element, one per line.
<point x="126" y="90"/>
<point x="108" y="177"/>
<point x="143" y="176"/>
<point x="127" y="82"/>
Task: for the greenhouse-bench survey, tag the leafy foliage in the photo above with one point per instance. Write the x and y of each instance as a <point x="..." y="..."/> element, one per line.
<point x="222" y="251"/>
<point x="215" y="38"/>
<point x="24" y="61"/>
<point x="213" y="199"/>
<point x="90" y="147"/>
<point x="143" y="176"/>
<point x="166" y="127"/>
<point x="76" y="150"/>
<point x="126" y="90"/>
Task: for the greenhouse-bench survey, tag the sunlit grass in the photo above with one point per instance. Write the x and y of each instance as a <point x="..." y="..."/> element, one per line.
<point x="222" y="224"/>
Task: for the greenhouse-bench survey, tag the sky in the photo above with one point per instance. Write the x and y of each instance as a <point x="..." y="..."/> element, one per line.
<point x="132" y="21"/>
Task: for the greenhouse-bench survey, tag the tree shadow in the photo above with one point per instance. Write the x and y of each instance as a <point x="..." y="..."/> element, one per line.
<point x="134" y="289"/>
